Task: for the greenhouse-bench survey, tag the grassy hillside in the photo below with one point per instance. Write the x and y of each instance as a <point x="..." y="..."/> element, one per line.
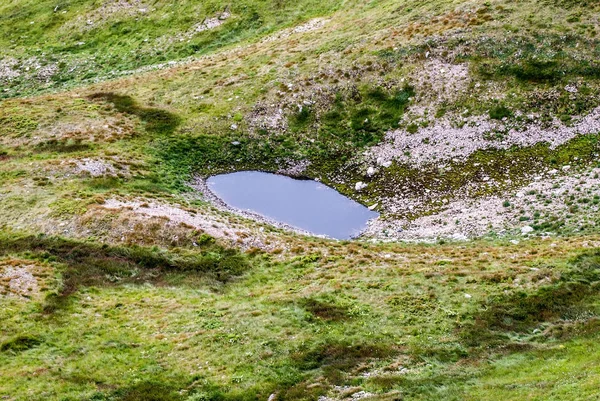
<point x="474" y="125"/>
<point x="49" y="44"/>
<point x="416" y="322"/>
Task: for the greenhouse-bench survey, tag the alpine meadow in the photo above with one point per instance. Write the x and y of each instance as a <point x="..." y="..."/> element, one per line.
<point x="464" y="133"/>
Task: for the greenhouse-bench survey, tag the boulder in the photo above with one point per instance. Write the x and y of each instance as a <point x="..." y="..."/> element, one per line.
<point x="526" y="230"/>
<point x="359" y="186"/>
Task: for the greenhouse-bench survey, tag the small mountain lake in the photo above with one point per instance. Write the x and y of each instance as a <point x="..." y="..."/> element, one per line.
<point x="305" y="204"/>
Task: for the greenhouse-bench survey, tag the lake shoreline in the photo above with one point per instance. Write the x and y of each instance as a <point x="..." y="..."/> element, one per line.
<point x="200" y="184"/>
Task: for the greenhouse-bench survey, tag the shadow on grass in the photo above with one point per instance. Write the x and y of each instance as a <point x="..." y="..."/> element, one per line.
<point x="62" y="146"/>
<point x="147" y="391"/>
<point x="521" y="312"/>
<point x="509" y="323"/>
<point x="325" y="310"/>
<point x="20" y="343"/>
<point x="156" y="121"/>
<point x="94" y="264"/>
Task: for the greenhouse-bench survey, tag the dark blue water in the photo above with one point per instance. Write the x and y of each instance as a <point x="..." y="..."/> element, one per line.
<point x="305" y="204"/>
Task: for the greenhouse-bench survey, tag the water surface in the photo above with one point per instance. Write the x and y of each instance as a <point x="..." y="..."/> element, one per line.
<point x="305" y="204"/>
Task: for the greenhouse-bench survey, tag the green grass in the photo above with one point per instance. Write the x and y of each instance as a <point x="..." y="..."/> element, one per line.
<point x="141" y="324"/>
<point x="137" y="308"/>
<point x="565" y="371"/>
<point x="84" y="41"/>
<point x="90" y="263"/>
<point x="355" y="120"/>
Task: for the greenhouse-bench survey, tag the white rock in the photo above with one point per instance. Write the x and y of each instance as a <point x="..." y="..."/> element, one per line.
<point x="371" y="172"/>
<point x="571" y="89"/>
<point x="359" y="186"/>
<point x="468" y="296"/>
<point x="373" y="206"/>
<point x="526" y="230"/>
<point x="386" y="164"/>
<point x="514" y="241"/>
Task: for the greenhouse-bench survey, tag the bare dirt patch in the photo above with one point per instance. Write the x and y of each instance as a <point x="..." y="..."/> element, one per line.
<point x="105" y="11"/>
<point x="8" y="69"/>
<point x="20" y="278"/>
<point x="107" y="129"/>
<point x="309" y="26"/>
<point x="32" y="68"/>
<point x="95" y="167"/>
<point x="437" y="81"/>
<point x="207" y="24"/>
<point x="223" y="227"/>
<point x="98" y="130"/>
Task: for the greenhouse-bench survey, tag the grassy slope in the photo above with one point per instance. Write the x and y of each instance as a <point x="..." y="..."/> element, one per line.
<point x="86" y="39"/>
<point x="568" y="371"/>
<point x="136" y="324"/>
<point x="206" y="97"/>
<point x="300" y="326"/>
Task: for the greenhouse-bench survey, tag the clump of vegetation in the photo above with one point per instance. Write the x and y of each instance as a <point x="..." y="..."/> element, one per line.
<point x="545" y="59"/>
<point x="326" y="309"/>
<point x="20" y="343"/>
<point x="354" y="120"/>
<point x="335" y="358"/>
<point x="17" y="125"/>
<point x="362" y="117"/>
<point x="500" y="112"/>
<point x="146" y="391"/>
